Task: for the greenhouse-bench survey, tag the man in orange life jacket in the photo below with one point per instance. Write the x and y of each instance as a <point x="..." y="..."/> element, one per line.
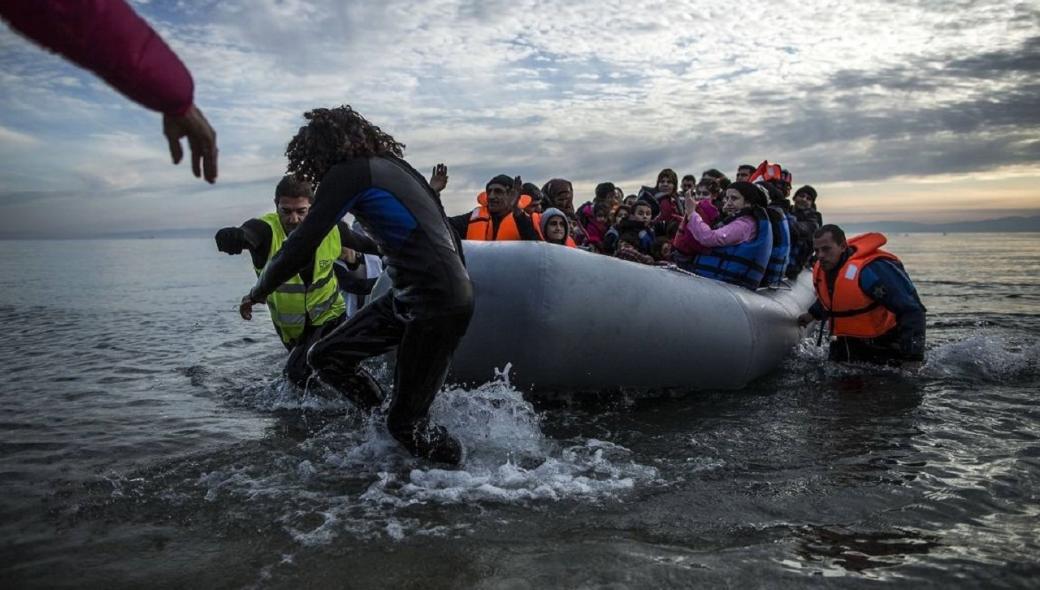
<point x="873" y="307"/>
<point x="497" y="217"/>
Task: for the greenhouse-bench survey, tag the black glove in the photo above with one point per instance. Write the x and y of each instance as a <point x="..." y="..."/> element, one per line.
<point x="231" y="240"/>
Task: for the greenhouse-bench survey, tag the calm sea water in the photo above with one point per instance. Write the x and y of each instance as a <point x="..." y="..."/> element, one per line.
<point x="147" y="440"/>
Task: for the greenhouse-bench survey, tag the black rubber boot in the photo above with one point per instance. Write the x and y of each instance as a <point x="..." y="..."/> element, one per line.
<point x="428" y="441"/>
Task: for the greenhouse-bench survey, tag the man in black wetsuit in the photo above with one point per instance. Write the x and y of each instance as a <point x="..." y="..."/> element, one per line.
<point x="309" y="305"/>
<point x="358" y="169"/>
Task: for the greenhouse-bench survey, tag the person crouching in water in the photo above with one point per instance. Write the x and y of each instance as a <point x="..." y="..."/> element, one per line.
<point x="359" y="169"/>
<point x="875" y="313"/>
<point x="556" y="228"/>
<point x="309" y="305"/>
<point x="739" y="249"/>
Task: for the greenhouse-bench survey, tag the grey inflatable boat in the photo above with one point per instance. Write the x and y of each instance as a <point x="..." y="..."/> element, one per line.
<point x="558" y="319"/>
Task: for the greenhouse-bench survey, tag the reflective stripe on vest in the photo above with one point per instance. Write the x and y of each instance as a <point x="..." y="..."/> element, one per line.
<point x="293" y="304"/>
<point x="481" y="228"/>
<point x="852" y="312"/>
<point x="778" y="258"/>
<point x="742" y="264"/>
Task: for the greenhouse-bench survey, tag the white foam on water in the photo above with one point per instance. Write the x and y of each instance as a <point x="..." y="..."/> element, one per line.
<point x="508" y="459"/>
<point x="986" y="358"/>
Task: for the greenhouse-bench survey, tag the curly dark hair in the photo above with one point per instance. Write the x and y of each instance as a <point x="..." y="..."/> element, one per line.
<point x="332" y="136"/>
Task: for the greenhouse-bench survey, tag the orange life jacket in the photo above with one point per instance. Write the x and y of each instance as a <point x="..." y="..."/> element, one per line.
<point x="852" y="312"/>
<point x="766" y="171"/>
<point x="482" y="229"/>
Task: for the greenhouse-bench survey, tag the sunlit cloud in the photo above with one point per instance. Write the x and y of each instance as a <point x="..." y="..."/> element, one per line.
<point x="854" y="100"/>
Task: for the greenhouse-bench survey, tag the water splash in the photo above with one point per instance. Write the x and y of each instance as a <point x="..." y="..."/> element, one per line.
<point x="984" y="358"/>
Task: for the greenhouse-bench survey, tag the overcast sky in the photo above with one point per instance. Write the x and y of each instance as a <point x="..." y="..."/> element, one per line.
<point x="926" y="111"/>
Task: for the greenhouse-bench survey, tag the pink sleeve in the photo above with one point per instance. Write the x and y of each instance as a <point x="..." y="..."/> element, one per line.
<point x="740" y="230"/>
<point x="108" y="38"/>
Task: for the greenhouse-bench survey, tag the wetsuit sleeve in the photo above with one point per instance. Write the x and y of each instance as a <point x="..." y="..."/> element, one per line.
<point x="887" y="283"/>
<point x="337" y="194"/>
<point x="355" y="241"/>
<point x="525" y="227"/>
<point x="258" y="241"/>
<point x="108" y="38"/>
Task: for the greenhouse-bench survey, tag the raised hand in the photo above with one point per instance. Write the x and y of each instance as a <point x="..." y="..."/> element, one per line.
<point x="439" y="178"/>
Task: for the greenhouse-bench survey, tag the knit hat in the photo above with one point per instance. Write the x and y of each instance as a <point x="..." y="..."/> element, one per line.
<point x="502" y="180"/>
<point x="549" y="214"/>
<point x="807" y="190"/>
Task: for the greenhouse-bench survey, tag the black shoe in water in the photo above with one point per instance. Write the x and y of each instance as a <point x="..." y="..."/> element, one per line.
<point x="429" y="442"/>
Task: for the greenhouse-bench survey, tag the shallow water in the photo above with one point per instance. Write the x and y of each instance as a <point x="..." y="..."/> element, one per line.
<point x="148" y="440"/>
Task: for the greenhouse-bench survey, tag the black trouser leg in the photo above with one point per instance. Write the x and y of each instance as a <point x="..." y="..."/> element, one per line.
<point x="423" y="359"/>
<point x="297" y="371"/>
<point x="881" y="350"/>
<point x="375" y="329"/>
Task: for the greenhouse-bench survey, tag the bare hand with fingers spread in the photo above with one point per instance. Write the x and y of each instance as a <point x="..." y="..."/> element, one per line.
<point x="439" y="178"/>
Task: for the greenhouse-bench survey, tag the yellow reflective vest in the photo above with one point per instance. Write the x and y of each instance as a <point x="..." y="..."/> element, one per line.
<point x="294" y="305"/>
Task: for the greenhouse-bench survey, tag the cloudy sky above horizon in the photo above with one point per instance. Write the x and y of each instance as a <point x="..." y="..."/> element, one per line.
<point x="926" y="111"/>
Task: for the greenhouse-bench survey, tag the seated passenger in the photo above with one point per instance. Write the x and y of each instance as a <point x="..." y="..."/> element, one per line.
<point x="661" y="250"/>
<point x="629" y="249"/>
<point x="597" y="225"/>
<point x="667" y="195"/>
<point x="740" y="248"/>
<point x="701" y="202"/>
<point x="496" y="217"/>
<point x="777" y="210"/>
<point x="556" y="228"/>
<point x="805" y="220"/>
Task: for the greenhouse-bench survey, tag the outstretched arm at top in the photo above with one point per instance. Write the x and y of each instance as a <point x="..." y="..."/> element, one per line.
<point x="108" y="38"/>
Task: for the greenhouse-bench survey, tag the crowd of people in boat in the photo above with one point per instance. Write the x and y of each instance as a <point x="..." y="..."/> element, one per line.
<point x="749" y="231"/>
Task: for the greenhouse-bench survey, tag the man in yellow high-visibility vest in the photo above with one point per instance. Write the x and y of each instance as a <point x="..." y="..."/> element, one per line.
<point x="309" y="304"/>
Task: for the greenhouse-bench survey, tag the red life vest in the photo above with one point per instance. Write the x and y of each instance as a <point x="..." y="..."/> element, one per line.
<point x="852" y="312"/>
<point x="482" y="229"/>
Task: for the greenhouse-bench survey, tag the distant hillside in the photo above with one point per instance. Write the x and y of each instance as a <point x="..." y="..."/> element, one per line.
<point x="1003" y="224"/>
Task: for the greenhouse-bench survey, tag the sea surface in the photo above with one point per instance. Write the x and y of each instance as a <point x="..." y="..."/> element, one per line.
<point x="147" y="440"/>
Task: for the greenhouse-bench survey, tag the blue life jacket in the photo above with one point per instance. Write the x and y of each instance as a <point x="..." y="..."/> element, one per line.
<point x="779" y="257"/>
<point x="742" y="264"/>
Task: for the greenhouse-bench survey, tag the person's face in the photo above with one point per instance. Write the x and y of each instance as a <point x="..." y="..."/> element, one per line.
<point x="743" y="175"/>
<point x="619" y="195"/>
<point x="603" y="217"/>
<point x="802" y="201"/>
<point x="687" y="185"/>
<point x="556" y="229"/>
<point x="734" y="202"/>
<point x="534" y="207"/>
<point x="642" y="214"/>
<point x="702" y="193"/>
<point x="620" y="215"/>
<point x="666" y="249"/>
<point x="630" y="200"/>
<point x="786" y="187"/>
<point x="498" y="199"/>
<point x="292" y="211"/>
<point x="665" y="185"/>
<point x="828" y="251"/>
<point x="563" y="200"/>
